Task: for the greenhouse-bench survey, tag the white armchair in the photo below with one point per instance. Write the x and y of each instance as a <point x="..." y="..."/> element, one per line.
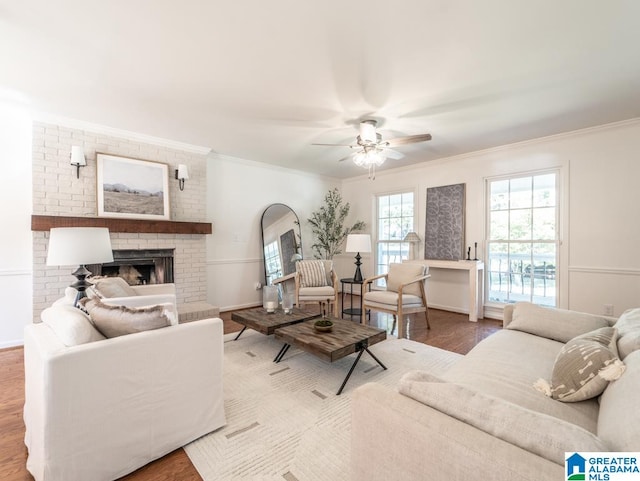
<point x="405" y="294"/>
<point x="104" y="408"/>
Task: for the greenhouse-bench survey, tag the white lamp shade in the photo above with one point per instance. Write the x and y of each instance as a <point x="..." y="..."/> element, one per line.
<point x="411" y="237"/>
<point x="358" y="243"/>
<point x="183" y="172"/>
<point x="73" y="246"/>
<point x="77" y="156"/>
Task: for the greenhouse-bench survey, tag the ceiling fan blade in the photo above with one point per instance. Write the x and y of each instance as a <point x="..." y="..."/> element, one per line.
<point x="336" y="145"/>
<point x="350" y="156"/>
<point x="393" y="154"/>
<point x="411" y="139"/>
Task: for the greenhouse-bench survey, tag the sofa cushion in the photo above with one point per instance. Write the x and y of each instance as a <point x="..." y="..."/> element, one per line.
<point x="557" y="324"/>
<point x="619" y="414"/>
<point x="401" y="274"/>
<point x="507" y="364"/>
<point x="584" y="366"/>
<point x="113" y="321"/>
<point x="312" y="273"/>
<point x="113" y="287"/>
<point x="628" y="326"/>
<point x="539" y="433"/>
<point x="71" y="325"/>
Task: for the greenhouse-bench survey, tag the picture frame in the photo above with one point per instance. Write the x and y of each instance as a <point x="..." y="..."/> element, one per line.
<point x="445" y="223"/>
<point x="132" y="188"/>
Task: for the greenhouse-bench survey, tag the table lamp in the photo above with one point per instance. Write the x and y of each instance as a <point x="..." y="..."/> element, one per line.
<point x="79" y="246"/>
<point x="358" y="243"/>
<point x="412" y="238"/>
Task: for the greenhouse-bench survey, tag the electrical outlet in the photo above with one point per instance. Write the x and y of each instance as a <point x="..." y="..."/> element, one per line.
<point x="608" y="309"/>
<point x="258" y="286"/>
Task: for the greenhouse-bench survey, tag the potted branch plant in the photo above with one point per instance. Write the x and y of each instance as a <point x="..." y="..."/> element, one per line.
<point x="328" y="227"/>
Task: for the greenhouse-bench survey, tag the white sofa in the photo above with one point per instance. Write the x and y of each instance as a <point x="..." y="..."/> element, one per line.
<point x="105" y="407"/>
<point x="483" y="419"/>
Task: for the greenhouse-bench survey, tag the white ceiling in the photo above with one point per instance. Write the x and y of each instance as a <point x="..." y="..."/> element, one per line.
<point x="263" y="80"/>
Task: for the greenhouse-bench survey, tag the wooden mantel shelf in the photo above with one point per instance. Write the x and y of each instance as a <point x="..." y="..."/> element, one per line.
<point x="46" y="222"/>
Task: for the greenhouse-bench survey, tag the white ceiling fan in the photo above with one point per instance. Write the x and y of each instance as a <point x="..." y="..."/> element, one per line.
<point x="372" y="150"/>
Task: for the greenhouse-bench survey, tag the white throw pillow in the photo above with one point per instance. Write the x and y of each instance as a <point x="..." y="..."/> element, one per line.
<point x="553" y="323"/>
<point x="113" y="287"/>
<point x="628" y="326"/>
<point x="113" y="321"/>
<point x="71" y="325"/>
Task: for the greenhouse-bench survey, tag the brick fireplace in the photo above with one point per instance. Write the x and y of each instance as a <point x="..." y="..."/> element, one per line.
<point x="58" y="193"/>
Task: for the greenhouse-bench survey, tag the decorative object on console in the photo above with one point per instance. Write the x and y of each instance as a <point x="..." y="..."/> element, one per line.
<point x="79" y="246"/>
<point x="413" y="239"/>
<point x="77" y="159"/>
<point x="132" y="188"/>
<point x="182" y="174"/>
<point x="358" y="243"/>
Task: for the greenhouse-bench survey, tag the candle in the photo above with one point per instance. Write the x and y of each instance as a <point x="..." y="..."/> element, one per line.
<point x="271" y="306"/>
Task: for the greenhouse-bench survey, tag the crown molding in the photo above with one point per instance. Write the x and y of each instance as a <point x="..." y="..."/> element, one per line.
<point x="121" y="133"/>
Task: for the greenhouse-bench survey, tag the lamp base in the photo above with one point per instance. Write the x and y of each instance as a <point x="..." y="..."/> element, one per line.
<point x="81" y="284"/>
<point x="357" y="277"/>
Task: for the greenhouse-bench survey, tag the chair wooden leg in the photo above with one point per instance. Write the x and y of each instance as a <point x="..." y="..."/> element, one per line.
<point x="393" y="326"/>
<point x="426" y="316"/>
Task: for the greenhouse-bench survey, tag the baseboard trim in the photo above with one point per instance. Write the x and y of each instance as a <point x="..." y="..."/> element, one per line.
<point x="10" y="345"/>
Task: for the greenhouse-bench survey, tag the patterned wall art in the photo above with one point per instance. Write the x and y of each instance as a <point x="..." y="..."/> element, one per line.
<point x="444" y="232"/>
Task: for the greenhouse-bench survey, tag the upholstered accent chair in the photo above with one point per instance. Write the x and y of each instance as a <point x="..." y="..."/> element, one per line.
<point x="404" y="294"/>
<point x="314" y="281"/>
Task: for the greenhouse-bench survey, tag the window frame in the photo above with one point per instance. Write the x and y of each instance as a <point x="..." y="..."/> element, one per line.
<point x="561" y="201"/>
<point x="377" y="241"/>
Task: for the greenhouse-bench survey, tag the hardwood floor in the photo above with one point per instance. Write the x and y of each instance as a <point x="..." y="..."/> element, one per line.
<point x="448" y="331"/>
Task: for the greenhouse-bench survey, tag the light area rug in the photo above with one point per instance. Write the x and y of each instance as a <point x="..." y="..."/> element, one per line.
<point x="285" y="421"/>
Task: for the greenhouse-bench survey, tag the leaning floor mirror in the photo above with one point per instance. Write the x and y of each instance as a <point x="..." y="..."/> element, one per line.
<point x="281" y="241"/>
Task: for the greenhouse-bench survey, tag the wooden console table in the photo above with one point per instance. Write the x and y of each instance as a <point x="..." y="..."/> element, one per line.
<point x="476" y="281"/>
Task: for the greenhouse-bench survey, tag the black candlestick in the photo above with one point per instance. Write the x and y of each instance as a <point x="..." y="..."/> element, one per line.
<point x="469" y="253"/>
<point x="475" y="251"/>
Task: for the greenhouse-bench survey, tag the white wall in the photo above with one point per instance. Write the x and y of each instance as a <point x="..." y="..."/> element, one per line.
<point x="599" y="175"/>
<point x="238" y="192"/>
<point x="15" y="211"/>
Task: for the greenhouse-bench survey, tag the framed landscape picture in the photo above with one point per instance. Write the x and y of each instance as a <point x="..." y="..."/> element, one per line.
<point x="132" y="188"/>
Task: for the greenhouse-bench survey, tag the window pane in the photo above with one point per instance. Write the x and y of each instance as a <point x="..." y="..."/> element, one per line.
<point x="498" y="265"/>
<point x="499" y="195"/>
<point x="395" y="220"/>
<point x="520" y="224"/>
<point x="520" y="195"/>
<point x="499" y="227"/>
<point x="544" y="223"/>
<point x="544" y="190"/>
<point x="383" y="229"/>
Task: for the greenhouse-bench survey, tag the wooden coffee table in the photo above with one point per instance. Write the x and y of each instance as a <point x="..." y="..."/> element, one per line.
<point x="345" y="338"/>
<point x="266" y="323"/>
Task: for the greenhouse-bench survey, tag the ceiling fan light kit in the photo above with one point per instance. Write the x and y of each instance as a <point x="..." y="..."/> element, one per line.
<point x="372" y="150"/>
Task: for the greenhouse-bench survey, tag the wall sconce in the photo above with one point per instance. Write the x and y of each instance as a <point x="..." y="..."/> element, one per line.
<point x="77" y="159"/>
<point x="182" y="174"/>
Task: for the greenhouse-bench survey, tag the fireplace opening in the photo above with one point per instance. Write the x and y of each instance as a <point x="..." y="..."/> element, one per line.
<point x="138" y="266"/>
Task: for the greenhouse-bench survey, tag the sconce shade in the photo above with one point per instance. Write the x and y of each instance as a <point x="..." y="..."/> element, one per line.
<point x="72" y="246"/>
<point x="358" y="243"/>
<point x="411" y="237"/>
<point x="77" y="156"/>
<point x="183" y="172"/>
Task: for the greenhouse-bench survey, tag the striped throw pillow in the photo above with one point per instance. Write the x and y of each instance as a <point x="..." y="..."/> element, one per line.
<point x="312" y="273"/>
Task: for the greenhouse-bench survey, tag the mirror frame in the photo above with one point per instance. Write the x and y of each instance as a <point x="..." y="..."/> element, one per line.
<point x="296" y="229"/>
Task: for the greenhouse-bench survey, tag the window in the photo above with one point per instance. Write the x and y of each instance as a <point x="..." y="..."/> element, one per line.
<point x="395" y="220"/>
<point x="523" y="239"/>
<point x="272" y="261"/>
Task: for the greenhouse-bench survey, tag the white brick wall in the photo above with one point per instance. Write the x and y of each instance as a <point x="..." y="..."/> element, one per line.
<point x="57" y="191"/>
